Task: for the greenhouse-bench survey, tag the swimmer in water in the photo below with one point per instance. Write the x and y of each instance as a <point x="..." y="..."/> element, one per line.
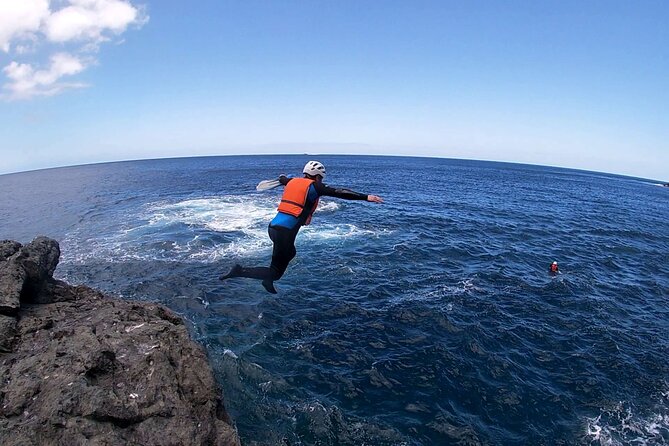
<point x="554" y="268"/>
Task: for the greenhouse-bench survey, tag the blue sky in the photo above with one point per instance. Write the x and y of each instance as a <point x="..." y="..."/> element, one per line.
<point x="582" y="84"/>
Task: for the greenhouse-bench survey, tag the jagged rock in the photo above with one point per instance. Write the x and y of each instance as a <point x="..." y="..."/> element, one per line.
<point x="39" y="259"/>
<point x="87" y="369"/>
<point x="12" y="278"/>
<point x="26" y="272"/>
<point x="8" y="248"/>
<point x="7" y="332"/>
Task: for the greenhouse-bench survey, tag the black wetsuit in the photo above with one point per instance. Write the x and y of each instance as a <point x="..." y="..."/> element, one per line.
<point x="283" y="230"/>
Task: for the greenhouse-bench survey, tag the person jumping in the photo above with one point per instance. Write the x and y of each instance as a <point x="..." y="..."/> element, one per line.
<point x="298" y="203"/>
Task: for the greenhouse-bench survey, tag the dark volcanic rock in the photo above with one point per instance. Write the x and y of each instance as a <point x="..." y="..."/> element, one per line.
<point x="12" y="278"/>
<point x="39" y="259"/>
<point x="7" y="333"/>
<point x="87" y="369"/>
<point x="8" y="248"/>
<point x="26" y="272"/>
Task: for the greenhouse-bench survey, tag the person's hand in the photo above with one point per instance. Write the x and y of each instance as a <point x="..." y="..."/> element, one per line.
<point x="374" y="198"/>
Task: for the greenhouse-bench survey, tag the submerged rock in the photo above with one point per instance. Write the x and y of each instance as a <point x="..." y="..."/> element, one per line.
<point x="78" y="367"/>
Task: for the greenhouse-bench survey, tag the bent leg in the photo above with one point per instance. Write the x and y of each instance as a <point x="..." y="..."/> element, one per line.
<point x="254" y="272"/>
<point x="282" y="253"/>
<point x="257" y="272"/>
<point x="284" y="250"/>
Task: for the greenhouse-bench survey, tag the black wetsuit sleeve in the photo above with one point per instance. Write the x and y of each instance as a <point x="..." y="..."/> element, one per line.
<point x="346" y="194"/>
<point x="284" y="180"/>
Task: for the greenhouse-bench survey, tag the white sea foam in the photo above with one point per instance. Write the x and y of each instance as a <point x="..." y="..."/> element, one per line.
<point x="224" y="214"/>
<point x="230" y="353"/>
<point x="621" y="426"/>
<point x="327" y="206"/>
<point x="178" y="231"/>
<point x="439" y="291"/>
<point x="330" y="231"/>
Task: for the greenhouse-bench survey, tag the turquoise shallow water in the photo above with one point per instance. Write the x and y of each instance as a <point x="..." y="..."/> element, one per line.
<point x="430" y="319"/>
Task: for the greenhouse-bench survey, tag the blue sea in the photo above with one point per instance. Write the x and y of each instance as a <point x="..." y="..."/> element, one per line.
<point x="430" y="319"/>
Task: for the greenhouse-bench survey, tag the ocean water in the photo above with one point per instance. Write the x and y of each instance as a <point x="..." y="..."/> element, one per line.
<point x="428" y="320"/>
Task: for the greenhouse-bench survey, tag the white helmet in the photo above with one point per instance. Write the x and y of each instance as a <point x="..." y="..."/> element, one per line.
<point x="314" y="168"/>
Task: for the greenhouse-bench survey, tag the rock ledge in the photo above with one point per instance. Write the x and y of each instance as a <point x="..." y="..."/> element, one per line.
<point x="81" y="368"/>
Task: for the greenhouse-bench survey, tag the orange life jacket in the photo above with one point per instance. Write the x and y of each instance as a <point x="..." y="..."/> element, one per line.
<point x="295" y="198"/>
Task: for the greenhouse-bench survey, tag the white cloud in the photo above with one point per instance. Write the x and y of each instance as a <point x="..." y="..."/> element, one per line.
<point x="26" y="82"/>
<point x="89" y="20"/>
<point x="77" y="27"/>
<point x="20" y="19"/>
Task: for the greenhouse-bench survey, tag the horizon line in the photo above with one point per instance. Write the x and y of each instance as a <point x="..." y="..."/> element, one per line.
<point x="129" y="160"/>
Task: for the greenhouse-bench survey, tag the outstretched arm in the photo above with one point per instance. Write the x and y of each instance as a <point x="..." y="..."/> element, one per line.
<point x="346" y="194"/>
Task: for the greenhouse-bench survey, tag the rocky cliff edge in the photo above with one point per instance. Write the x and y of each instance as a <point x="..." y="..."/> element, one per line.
<point x="81" y="368"/>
